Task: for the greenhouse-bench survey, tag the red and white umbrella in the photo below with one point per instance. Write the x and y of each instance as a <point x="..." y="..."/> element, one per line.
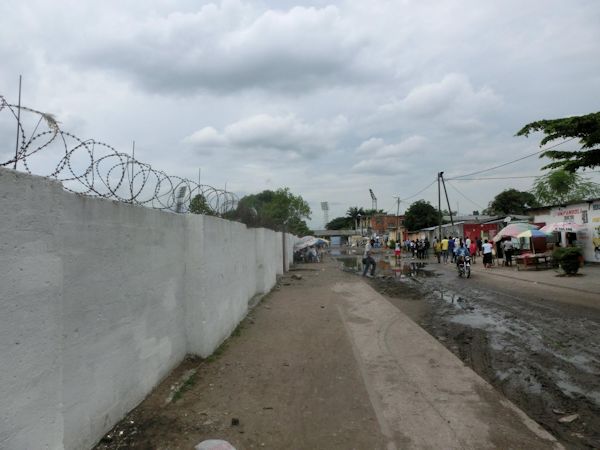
<point x="562" y="226"/>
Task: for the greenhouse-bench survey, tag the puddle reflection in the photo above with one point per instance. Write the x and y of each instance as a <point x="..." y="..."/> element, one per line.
<point x="387" y="265"/>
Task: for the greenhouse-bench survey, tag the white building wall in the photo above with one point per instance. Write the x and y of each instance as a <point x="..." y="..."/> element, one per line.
<point x="100" y="300"/>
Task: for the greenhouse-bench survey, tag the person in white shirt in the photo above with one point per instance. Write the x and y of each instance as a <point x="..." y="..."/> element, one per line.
<point x="368" y="261"/>
<point x="487" y="254"/>
<point x="507" y="246"/>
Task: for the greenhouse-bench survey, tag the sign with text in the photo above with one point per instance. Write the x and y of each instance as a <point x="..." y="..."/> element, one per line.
<point x="567" y="212"/>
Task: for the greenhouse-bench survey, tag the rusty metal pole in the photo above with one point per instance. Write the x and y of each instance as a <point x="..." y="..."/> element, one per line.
<point x="18" y="125"/>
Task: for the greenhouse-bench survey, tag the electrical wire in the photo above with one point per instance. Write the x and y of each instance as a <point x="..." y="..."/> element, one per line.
<point x="465" y="197"/>
<point x="511" y="162"/>
<point x="425" y="188"/>
<point x="493" y="178"/>
<point x="511" y="178"/>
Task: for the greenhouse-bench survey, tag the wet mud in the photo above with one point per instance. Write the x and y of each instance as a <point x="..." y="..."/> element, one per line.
<point x="543" y="356"/>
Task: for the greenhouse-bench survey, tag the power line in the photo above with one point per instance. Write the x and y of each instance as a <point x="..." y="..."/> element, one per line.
<point x="494" y="178"/>
<point x="511" y="178"/>
<point x="511" y="162"/>
<point x="465" y="197"/>
<point x="425" y="188"/>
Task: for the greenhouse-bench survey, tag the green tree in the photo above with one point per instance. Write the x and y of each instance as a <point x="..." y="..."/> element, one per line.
<point x="198" y="205"/>
<point x="373" y="212"/>
<point x="341" y="223"/>
<point x="561" y="186"/>
<point x="420" y="215"/>
<point x="353" y="213"/>
<point x="298" y="227"/>
<point x="276" y="210"/>
<point x="511" y="201"/>
<point x="585" y="128"/>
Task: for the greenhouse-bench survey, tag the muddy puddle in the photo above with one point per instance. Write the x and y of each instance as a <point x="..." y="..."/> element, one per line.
<point x="386" y="266"/>
<point x="544" y="359"/>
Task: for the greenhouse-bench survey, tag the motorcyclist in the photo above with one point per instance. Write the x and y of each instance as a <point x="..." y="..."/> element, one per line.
<point x="461" y="253"/>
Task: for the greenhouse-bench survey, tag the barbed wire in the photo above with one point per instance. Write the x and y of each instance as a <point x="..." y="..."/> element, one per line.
<point x="97" y="169"/>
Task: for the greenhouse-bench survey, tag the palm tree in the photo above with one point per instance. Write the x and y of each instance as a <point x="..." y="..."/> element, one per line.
<point x="354" y="212"/>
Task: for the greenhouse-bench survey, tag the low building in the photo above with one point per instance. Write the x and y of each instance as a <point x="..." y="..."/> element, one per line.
<point x="336" y="237"/>
<point x="387" y="225"/>
<point x="482" y="226"/>
<point x="585" y="214"/>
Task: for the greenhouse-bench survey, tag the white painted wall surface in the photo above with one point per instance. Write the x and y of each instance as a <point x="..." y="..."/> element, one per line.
<point x="100" y="300"/>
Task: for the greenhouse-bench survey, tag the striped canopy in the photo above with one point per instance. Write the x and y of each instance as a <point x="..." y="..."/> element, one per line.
<point x="513" y="230"/>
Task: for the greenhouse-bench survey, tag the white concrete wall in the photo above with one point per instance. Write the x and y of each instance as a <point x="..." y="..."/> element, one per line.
<point x="100" y="300"/>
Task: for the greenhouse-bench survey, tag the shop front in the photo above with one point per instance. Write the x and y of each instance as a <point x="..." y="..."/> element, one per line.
<point x="576" y="224"/>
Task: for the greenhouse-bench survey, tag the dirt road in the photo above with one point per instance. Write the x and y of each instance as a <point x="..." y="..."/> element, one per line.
<point x="286" y="379"/>
<point x="325" y="362"/>
<point x="537" y="344"/>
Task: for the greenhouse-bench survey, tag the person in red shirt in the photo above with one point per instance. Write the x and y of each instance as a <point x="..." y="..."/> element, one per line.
<point x="473" y="250"/>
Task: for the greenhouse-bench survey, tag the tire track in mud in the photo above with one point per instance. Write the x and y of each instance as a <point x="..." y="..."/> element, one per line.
<point x="545" y="357"/>
<point x="542" y="355"/>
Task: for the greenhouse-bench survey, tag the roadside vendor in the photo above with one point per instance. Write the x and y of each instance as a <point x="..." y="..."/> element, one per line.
<point x="507" y="247"/>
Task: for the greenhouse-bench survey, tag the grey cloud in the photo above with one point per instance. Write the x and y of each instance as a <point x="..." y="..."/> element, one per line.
<point x="281" y="134"/>
<point x="231" y="48"/>
<point x="256" y="85"/>
<point x="379" y="167"/>
<point x="388" y="159"/>
<point x="453" y="96"/>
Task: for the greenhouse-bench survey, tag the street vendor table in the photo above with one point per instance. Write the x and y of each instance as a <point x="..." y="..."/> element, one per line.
<point x="539" y="261"/>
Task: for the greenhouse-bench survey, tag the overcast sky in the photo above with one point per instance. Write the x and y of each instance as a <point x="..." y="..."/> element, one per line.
<point x="327" y="98"/>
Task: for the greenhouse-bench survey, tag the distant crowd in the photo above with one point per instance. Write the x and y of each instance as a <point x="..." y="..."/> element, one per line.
<point x="449" y="248"/>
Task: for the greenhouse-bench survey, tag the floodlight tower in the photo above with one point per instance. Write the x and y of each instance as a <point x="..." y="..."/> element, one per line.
<point x="373" y="200"/>
<point x="325" y="208"/>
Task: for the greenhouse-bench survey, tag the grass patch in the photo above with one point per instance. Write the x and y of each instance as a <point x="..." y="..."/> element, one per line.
<point x="186" y="386"/>
<point x="218" y="352"/>
<point x="238" y="330"/>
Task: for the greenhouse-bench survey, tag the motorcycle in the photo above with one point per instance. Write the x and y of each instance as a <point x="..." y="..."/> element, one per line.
<point x="464" y="267"/>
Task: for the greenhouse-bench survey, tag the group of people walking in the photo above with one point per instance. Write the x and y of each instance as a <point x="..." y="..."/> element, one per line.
<point x="418" y="248"/>
<point x="450" y="248"/>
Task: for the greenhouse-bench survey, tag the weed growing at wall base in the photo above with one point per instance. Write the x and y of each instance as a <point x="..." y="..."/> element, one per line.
<point x="186" y="386"/>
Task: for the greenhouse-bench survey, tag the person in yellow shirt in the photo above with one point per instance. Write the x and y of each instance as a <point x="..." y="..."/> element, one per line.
<point x="445" y="249"/>
<point x="437" y="249"/>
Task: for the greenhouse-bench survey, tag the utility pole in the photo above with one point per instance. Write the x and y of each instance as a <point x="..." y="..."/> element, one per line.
<point x="397" y="218"/>
<point x="439" y="177"/>
<point x="447" y="201"/>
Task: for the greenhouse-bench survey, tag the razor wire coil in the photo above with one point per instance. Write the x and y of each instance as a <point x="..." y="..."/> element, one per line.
<point x="94" y="168"/>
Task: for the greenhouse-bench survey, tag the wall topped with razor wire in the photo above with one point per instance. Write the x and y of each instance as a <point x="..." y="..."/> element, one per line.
<point x="97" y="169"/>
